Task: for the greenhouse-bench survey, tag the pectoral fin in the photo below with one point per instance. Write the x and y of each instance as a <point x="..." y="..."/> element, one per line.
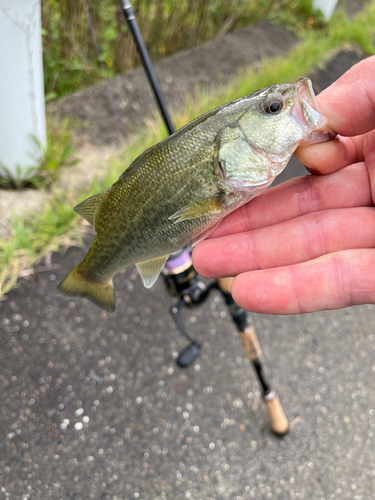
<point x="150" y="269"/>
<point x="206" y="206"/>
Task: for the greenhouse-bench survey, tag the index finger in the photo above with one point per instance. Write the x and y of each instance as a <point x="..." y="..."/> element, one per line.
<point x="344" y="189"/>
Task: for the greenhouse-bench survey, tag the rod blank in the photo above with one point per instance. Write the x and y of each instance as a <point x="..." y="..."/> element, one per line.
<point x="131" y="21"/>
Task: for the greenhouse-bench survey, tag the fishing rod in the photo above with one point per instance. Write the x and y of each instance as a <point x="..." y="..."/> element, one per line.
<point x="181" y="278"/>
<point x="131" y="21"/>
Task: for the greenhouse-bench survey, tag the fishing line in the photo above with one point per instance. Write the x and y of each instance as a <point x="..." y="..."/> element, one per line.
<point x="104" y="71"/>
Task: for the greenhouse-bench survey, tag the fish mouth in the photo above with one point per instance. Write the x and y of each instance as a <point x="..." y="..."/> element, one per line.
<point x="307" y="113"/>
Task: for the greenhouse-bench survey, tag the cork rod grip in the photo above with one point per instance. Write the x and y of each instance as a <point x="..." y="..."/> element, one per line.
<point x="276" y="415"/>
<point x="278" y="422"/>
<point x="250" y="344"/>
<point x="225" y="284"/>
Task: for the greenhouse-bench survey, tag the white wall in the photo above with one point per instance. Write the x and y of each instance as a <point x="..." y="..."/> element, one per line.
<point x="326" y="6"/>
<point x="22" y="110"/>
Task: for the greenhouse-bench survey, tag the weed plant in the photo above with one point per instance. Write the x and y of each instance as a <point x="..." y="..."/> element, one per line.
<point x="56" y="154"/>
<point x="70" y="60"/>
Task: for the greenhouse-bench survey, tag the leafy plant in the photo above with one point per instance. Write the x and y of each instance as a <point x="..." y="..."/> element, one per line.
<point x="12" y="181"/>
<point x="56" y="154"/>
<point x="70" y="59"/>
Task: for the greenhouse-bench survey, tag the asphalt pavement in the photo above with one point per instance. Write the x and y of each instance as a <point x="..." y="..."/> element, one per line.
<point x="93" y="406"/>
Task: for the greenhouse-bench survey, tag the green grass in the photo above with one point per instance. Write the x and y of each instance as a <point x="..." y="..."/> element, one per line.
<point x="308" y="55"/>
<point x="34" y="236"/>
<point x="56" y="154"/>
<point x="69" y="56"/>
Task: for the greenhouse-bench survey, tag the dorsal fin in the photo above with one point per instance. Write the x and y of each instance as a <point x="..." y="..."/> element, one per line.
<point x="89" y="208"/>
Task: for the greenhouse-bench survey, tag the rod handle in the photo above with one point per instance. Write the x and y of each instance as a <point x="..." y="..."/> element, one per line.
<point x="225" y="284"/>
<point x="276" y="415"/>
<point x="250" y="344"/>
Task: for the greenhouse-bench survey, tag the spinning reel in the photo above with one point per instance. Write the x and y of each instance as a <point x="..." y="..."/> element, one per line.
<point x="183" y="281"/>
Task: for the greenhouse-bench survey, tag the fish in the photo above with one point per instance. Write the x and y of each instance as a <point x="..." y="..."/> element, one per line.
<point x="178" y="191"/>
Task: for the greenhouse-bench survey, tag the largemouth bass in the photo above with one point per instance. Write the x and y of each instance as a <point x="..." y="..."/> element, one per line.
<point x="178" y="191"/>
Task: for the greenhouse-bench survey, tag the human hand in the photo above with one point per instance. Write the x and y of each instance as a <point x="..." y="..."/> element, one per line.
<point x="309" y="244"/>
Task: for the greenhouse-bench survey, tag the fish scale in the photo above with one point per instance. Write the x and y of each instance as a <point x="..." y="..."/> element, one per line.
<point x="177" y="191"/>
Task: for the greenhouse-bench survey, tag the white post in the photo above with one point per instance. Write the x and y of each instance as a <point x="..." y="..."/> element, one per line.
<point x="22" y="110"/>
<point x="326" y="6"/>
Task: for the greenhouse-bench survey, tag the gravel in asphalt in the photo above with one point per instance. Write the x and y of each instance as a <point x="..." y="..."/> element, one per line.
<point x="92" y="406"/>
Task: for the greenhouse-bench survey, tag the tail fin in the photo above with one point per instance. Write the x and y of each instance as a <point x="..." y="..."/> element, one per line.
<point x="76" y="285"/>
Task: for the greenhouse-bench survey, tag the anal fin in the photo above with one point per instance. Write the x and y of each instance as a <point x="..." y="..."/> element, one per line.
<point x="150" y="269"/>
<point x="206" y="206"/>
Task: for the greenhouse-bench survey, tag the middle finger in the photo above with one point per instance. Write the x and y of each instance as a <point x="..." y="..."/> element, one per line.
<point x="346" y="188"/>
<point x="294" y="241"/>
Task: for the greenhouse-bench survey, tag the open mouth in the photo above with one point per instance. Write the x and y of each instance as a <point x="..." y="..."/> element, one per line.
<point x="306" y="92"/>
<point x="309" y="105"/>
<point x="307" y="113"/>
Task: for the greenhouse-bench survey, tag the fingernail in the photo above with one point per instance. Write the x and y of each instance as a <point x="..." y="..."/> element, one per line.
<point x="312" y="171"/>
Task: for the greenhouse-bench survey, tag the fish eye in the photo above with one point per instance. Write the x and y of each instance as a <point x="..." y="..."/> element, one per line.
<point x="273" y="106"/>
